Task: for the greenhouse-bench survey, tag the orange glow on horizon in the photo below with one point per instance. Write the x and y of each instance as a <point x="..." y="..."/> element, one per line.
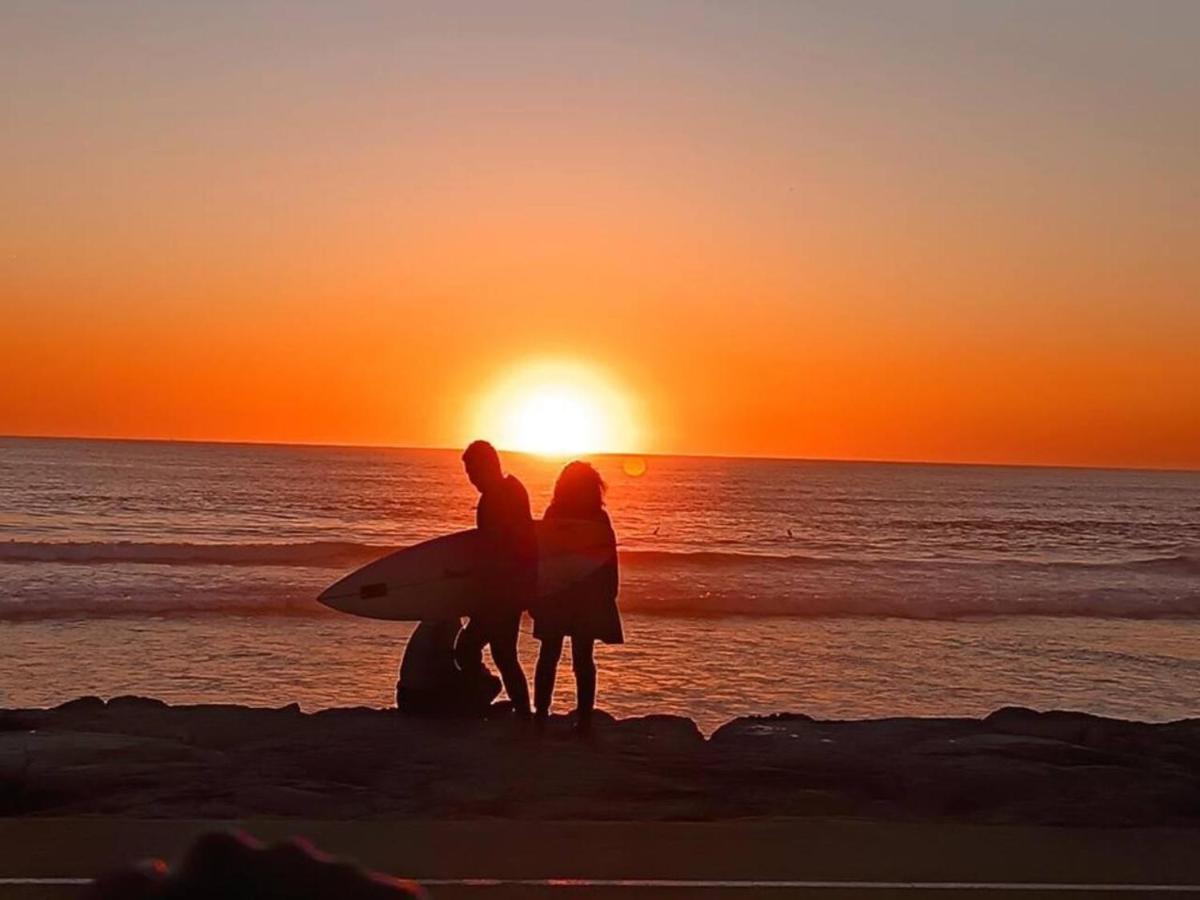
<point x="955" y="236"/>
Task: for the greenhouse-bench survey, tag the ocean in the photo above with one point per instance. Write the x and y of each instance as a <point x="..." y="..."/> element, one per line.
<point x="844" y="590"/>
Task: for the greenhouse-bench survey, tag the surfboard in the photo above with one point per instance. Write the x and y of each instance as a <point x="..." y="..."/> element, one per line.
<point x="444" y="577"/>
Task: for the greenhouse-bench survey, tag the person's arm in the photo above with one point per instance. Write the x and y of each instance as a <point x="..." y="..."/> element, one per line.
<point x="611" y="575"/>
<point x="505" y="530"/>
<point x="489" y="522"/>
<point x="516" y="543"/>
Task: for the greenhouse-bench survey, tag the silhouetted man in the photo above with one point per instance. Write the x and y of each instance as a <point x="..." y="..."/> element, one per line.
<point x="510" y="547"/>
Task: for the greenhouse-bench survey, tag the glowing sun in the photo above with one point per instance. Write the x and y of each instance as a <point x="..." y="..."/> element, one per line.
<point x="556" y="409"/>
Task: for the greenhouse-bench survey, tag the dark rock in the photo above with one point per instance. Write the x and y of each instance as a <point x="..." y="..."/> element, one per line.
<point x="130" y="701"/>
<point x="140" y="757"/>
<point x="666" y="731"/>
<point x="16" y="720"/>
<point x="1071" y="727"/>
<point x="353" y="713"/>
<point x="81" y="704"/>
<point x="1013" y="746"/>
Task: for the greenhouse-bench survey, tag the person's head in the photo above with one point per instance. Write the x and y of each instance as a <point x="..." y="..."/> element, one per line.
<point x="482" y="463"/>
<point x="579" y="489"/>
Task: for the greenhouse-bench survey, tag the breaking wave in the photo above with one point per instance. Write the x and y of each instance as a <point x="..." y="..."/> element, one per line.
<point x="340" y="554"/>
<point x="311" y="553"/>
<point x="57" y="580"/>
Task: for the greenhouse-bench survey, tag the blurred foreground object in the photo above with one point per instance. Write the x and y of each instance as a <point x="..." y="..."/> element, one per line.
<point x="232" y="866"/>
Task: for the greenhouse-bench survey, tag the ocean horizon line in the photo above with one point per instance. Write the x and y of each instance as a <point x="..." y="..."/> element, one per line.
<point x="866" y="461"/>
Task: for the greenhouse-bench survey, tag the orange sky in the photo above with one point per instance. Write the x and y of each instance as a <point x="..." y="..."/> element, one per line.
<point x="965" y="232"/>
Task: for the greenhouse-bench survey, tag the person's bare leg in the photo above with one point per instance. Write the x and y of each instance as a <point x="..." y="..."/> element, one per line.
<point x="544" y="676"/>
<point x="504" y="654"/>
<point x="584" y="664"/>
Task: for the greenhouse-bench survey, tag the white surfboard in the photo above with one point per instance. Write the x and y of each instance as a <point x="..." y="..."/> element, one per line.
<point x="444" y="577"/>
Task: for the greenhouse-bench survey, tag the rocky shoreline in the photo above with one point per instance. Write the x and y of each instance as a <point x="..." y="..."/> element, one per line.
<point x="140" y="757"/>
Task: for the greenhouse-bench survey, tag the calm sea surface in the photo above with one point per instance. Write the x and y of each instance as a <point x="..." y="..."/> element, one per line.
<point x="187" y="572"/>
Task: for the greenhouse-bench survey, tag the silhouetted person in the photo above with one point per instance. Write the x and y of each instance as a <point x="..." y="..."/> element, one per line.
<point x="585" y="612"/>
<point x="431" y="684"/>
<point x="510" y="549"/>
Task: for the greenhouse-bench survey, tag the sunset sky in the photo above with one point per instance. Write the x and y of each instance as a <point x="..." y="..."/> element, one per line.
<point x="922" y="230"/>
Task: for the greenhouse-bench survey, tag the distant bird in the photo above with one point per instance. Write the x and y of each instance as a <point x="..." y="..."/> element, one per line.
<point x="656" y="527"/>
<point x="789" y="531"/>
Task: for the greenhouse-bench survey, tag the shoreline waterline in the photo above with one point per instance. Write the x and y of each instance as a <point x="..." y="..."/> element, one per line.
<point x="707" y="669"/>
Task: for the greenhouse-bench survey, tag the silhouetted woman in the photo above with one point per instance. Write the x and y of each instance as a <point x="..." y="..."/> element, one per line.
<point x="585" y="612"/>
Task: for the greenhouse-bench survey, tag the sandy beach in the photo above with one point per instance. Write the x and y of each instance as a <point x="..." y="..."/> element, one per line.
<point x="740" y="859"/>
